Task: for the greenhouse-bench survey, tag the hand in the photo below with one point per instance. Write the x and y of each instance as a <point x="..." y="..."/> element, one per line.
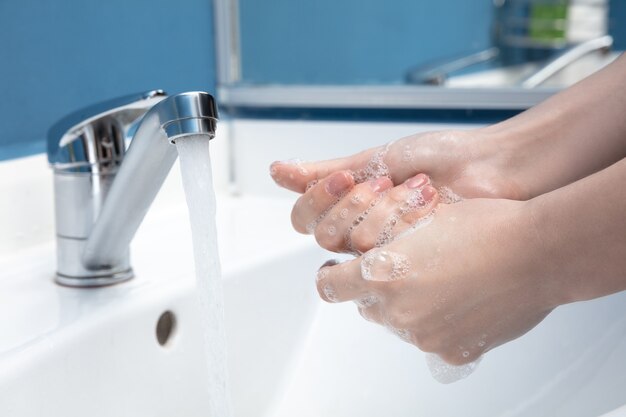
<point x="358" y="217"/>
<point x="458" y="287"/>
<point x="469" y="163"/>
<point x="457" y="164"/>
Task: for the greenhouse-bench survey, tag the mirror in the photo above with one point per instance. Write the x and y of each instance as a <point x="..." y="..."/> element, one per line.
<point x="506" y="46"/>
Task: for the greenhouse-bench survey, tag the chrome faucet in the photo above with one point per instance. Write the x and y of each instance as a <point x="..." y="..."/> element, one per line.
<point x="567" y="57"/>
<point x="102" y="189"/>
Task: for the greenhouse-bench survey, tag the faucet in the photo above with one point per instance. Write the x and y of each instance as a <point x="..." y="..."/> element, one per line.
<point x="438" y="73"/>
<point x="102" y="189"/>
<point x="567" y="57"/>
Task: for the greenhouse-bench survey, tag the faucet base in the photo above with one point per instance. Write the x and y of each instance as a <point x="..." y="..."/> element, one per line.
<point x="99" y="281"/>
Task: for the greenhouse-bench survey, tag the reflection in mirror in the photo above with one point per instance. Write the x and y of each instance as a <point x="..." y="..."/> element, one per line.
<point x="453" y="43"/>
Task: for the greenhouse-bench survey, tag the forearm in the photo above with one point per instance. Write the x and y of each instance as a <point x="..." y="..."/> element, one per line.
<point x="569" y="136"/>
<point x="581" y="236"/>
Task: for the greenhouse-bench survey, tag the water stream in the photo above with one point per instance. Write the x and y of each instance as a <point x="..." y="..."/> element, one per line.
<point x="195" y="165"/>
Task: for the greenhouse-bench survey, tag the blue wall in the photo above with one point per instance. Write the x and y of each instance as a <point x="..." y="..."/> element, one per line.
<point x="357" y="41"/>
<point x="366" y="41"/>
<point x="617" y="23"/>
<point x="59" y="55"/>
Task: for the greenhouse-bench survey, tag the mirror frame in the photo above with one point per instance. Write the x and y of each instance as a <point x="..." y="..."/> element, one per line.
<point x="233" y="94"/>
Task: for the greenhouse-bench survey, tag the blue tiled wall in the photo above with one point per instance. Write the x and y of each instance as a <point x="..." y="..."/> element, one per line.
<point x="57" y="56"/>
<point x="366" y="41"/>
<point x="355" y="41"/>
<point x="617" y="23"/>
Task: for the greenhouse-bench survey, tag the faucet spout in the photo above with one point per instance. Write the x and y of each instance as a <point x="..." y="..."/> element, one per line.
<point x="119" y="197"/>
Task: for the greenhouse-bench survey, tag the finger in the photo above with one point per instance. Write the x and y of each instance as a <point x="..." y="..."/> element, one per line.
<point x="295" y="175"/>
<point x="342" y="282"/>
<point x="311" y="207"/>
<point x="399" y="210"/>
<point x="332" y="231"/>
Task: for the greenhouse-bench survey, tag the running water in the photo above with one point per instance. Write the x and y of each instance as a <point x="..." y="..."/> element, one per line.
<point x="195" y="165"/>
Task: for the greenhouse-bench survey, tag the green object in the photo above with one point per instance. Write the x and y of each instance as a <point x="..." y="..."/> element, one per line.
<point x="548" y="20"/>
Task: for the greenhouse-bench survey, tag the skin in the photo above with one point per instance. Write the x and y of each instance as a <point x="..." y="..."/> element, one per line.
<point x="540" y="189"/>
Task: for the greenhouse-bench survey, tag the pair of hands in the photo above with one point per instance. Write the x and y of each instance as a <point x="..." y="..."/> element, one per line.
<point x="445" y="277"/>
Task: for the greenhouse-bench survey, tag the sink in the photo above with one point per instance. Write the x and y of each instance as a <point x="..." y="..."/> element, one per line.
<point x="75" y="352"/>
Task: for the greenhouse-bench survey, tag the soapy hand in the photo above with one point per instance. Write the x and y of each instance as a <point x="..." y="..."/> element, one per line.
<point x="372" y="202"/>
<point x="464" y="161"/>
<point x="487" y="269"/>
<point x="358" y="217"/>
<point x="458" y="287"/>
<point x="425" y="168"/>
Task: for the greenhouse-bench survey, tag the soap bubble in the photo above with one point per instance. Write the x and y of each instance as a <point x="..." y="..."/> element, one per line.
<point x="311" y="184"/>
<point x="447" y="196"/>
<point x="310" y="227"/>
<point x="368" y="301"/>
<point x="358" y="220"/>
<point x="401" y="333"/>
<point x="407" y="155"/>
<point x="382" y="265"/>
<point x="329" y="293"/>
<point x="375" y="168"/>
<point x="321" y="274"/>
<point x="385" y="236"/>
<point x="445" y="373"/>
<point x="356" y="199"/>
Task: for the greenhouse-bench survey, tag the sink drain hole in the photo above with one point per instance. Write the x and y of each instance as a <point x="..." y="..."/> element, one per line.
<point x="165" y="327"/>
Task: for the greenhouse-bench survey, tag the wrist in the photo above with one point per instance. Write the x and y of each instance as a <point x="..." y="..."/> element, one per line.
<point x="500" y="159"/>
<point x="546" y="261"/>
<point x="519" y="148"/>
<point x="533" y="257"/>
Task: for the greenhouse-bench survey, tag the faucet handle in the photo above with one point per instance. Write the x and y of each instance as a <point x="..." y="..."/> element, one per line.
<point x="92" y="139"/>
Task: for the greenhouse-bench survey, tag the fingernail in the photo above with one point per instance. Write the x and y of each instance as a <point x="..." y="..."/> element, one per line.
<point x="274" y="169"/>
<point x="380" y="184"/>
<point x="339" y="183"/>
<point x="428" y="193"/>
<point x="330" y="262"/>
<point x="417" y="181"/>
<point x="323" y="272"/>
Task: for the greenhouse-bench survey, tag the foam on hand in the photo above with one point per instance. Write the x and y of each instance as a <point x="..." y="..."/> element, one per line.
<point x="383" y="265"/>
<point x="375" y="168"/>
<point x="445" y="373"/>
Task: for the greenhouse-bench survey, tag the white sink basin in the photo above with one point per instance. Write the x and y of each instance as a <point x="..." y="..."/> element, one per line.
<point x="76" y="352"/>
<point x="93" y="352"/>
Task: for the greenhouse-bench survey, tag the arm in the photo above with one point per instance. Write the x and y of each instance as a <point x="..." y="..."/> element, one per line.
<point x="582" y="232"/>
<point x="486" y="271"/>
<point x="569" y="136"/>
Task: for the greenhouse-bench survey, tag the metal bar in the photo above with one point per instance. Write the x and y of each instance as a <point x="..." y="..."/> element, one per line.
<point x="226" y="20"/>
<point x="382" y="97"/>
